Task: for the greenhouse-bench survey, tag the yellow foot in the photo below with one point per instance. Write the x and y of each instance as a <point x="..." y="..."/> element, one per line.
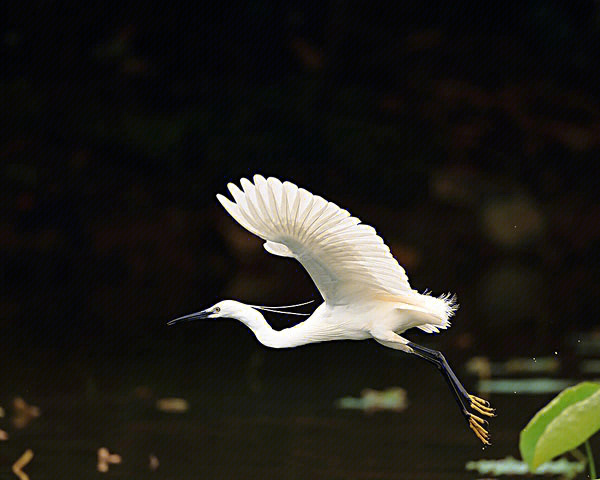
<point x="476" y="424"/>
<point x="482" y="406"/>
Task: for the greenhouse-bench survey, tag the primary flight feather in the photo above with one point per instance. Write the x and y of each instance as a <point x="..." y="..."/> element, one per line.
<point x="366" y="291"/>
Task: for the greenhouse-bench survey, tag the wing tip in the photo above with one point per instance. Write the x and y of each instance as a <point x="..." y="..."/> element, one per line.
<point x="228" y="205"/>
<point x="258" y="178"/>
<point x="274" y="180"/>
<point x="246" y="184"/>
<point x="222" y="199"/>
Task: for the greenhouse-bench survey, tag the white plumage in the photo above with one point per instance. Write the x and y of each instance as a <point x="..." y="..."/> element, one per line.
<point x="346" y="259"/>
<point x="366" y="291"/>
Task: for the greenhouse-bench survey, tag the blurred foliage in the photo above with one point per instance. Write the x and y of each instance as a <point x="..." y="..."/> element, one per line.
<point x="463" y="133"/>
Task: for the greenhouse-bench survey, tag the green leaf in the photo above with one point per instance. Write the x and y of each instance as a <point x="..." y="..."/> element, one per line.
<point x="570" y="429"/>
<point x="573" y="416"/>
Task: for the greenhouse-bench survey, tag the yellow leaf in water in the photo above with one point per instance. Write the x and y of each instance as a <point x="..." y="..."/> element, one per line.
<point x="17" y="467"/>
<point x="172" y="405"/>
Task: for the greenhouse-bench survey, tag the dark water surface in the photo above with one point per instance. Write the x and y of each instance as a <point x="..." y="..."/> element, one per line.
<point x="269" y="415"/>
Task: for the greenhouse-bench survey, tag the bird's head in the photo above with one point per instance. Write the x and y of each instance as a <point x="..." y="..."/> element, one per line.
<point x="223" y="309"/>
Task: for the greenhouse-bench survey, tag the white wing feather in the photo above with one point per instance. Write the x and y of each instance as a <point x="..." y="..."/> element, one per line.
<point x="345" y="259"/>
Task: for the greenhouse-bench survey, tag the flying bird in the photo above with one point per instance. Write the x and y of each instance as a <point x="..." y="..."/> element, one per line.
<point x="365" y="290"/>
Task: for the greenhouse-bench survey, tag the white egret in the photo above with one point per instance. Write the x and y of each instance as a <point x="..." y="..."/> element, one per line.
<point x="366" y="291"/>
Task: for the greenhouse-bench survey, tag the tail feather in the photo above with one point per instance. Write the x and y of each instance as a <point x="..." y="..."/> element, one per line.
<point x="434" y="312"/>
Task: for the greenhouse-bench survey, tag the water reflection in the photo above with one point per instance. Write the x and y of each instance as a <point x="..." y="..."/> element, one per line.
<point x="289" y="429"/>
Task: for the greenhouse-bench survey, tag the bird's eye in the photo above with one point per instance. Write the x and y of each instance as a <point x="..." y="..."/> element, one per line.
<point x="217" y="309"/>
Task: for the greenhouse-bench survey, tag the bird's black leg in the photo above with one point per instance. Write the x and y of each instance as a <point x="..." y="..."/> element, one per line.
<point x="438" y="359"/>
<point x="462" y="397"/>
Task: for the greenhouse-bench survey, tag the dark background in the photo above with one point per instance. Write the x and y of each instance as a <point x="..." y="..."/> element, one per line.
<point x="466" y="132"/>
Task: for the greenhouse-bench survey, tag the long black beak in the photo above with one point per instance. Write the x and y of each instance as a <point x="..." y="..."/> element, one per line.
<point x="190" y="317"/>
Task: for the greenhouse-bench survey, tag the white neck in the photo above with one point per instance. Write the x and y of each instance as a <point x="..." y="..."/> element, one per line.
<point x="300" y="334"/>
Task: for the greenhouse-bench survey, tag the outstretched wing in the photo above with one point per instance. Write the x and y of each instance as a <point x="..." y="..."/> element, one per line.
<point x="344" y="258"/>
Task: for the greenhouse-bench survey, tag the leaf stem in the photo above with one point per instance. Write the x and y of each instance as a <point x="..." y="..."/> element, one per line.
<point x="588" y="450"/>
<point x="577" y="455"/>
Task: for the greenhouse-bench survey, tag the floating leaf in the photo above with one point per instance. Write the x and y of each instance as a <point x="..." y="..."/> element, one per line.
<point x="23" y="460"/>
<point x="154" y="463"/>
<point x="566" y="422"/>
<point x="105" y="458"/>
<point x="394" y="399"/>
<point x="522" y="386"/>
<point x="23" y="413"/>
<point x="172" y="405"/>
<point x="512" y="466"/>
